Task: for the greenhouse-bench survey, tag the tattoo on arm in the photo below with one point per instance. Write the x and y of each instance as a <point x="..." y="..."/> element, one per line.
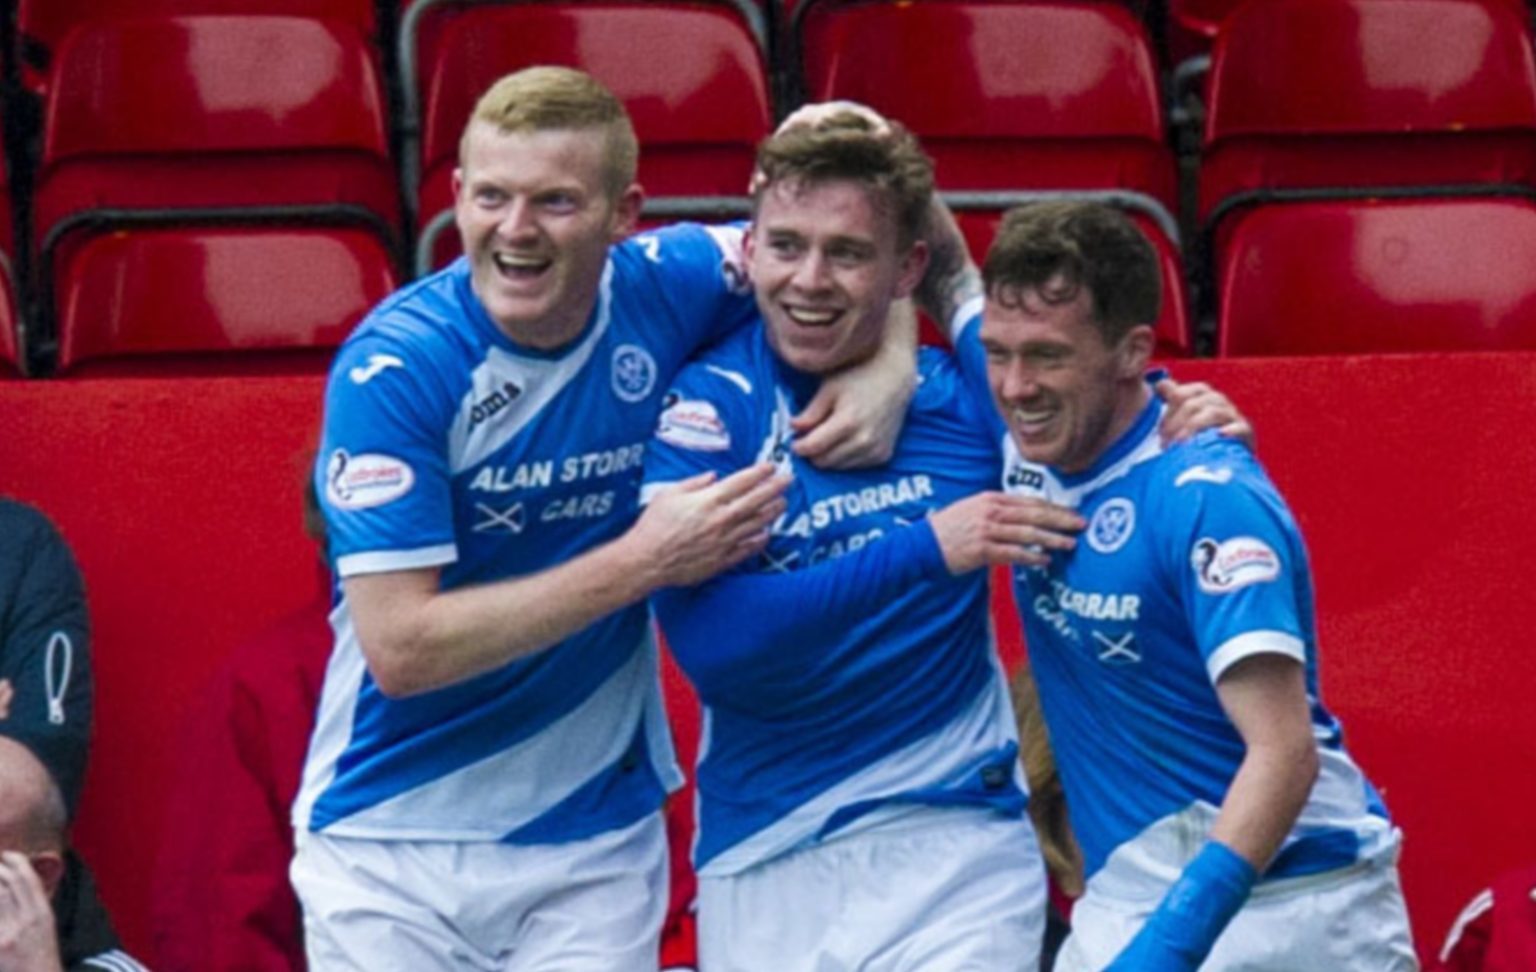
<point x="952" y="278"/>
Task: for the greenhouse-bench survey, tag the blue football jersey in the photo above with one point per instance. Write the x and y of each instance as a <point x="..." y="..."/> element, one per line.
<point x="447" y="445"/>
<point x="838" y="691"/>
<point x="1190" y="563"/>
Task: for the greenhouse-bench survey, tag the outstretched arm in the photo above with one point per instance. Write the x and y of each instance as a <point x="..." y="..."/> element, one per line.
<point x="1265" y="696"/>
<point x="703" y="624"/>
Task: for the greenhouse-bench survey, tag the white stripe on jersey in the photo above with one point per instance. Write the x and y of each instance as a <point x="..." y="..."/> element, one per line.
<point x="987" y="724"/>
<point x="528" y="778"/>
<point x="474" y="438"/>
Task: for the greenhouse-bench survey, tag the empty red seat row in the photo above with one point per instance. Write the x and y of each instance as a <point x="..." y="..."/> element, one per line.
<point x="208" y="172"/>
<point x="279" y="295"/>
<point x="1361" y="172"/>
<point x="43" y="25"/>
<point x="1378" y="276"/>
<point x="1015" y="99"/>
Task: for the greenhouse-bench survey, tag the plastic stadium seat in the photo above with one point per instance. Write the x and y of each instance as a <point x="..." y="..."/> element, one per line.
<point x="1173" y="323"/>
<point x="694" y="84"/>
<point x="247" y="111"/>
<point x="135" y="297"/>
<point x="41" y="25"/>
<point x="422" y="23"/>
<point x="265" y="119"/>
<point x="1029" y="95"/>
<point x="1353" y="93"/>
<point x="1384" y="276"/>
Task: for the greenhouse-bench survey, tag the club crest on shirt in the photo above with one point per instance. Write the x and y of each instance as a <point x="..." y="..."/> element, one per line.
<point x="366" y="480"/>
<point x="1112" y="525"/>
<point x="634" y="372"/>
<point x="1225" y="566"/>
<point x="693" y="424"/>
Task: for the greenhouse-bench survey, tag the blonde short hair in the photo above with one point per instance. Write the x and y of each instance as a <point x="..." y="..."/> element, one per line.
<point x="539" y="99"/>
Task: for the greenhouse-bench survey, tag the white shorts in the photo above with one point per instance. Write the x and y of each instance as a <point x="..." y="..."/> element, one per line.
<point x="416" y="906"/>
<point x="1349" y="920"/>
<point x="951" y="890"/>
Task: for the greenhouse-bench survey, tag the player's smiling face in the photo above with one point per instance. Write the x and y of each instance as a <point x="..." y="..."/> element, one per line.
<point x="1065" y="393"/>
<point x="537" y="219"/>
<point x="825" y="264"/>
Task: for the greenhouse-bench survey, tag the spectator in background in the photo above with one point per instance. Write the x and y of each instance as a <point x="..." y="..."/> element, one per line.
<point x="50" y="914"/>
<point x="221" y="897"/>
<point x="1496" y="932"/>
<point x="51" y="919"/>
<point x="45" y="661"/>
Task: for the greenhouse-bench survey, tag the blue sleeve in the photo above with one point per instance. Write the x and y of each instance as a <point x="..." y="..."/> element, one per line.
<point x="45" y="646"/>
<point x="699" y="272"/>
<point x="382" y="472"/>
<point x="717" y="630"/>
<point x="966" y="333"/>
<point x="1240" y="565"/>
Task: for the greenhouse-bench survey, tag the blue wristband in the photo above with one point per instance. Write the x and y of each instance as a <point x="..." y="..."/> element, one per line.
<point x="1181" y="932"/>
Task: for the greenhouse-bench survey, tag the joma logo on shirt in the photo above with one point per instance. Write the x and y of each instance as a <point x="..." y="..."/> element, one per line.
<point x="497" y="400"/>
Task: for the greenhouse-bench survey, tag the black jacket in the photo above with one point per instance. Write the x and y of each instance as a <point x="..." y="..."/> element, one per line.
<point x="44" y="645"/>
<point x="87" y="942"/>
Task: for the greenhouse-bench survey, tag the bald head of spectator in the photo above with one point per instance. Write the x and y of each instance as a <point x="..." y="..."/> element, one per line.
<point x="32" y="814"/>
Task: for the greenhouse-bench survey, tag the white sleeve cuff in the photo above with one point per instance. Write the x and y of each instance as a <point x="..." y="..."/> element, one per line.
<point x="648" y="491"/>
<point x="385" y="561"/>
<point x="964" y="314"/>
<point x="1252" y="643"/>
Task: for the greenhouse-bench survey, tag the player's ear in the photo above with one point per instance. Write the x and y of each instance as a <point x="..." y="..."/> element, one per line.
<point x="914" y="263"/>
<point x="1135" y="351"/>
<point x="626" y="211"/>
<point x="49" y="866"/>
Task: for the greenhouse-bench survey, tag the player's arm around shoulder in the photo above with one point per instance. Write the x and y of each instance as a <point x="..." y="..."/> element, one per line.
<point x="417" y="637"/>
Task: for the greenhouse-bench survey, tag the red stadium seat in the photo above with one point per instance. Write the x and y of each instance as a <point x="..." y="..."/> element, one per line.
<point x="131" y="300"/>
<point x="1015" y="100"/>
<point x="1029" y="95"/>
<point x="255" y="119"/>
<point x="696" y="89"/>
<point x="422" y="23"/>
<point x="42" y="25"/>
<point x="1360" y="277"/>
<point x="1173" y="323"/>
<point x="1352" y="93"/>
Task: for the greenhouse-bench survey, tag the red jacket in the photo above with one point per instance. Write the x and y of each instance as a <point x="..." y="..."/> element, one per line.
<point x="1497" y="930"/>
<point x="221" y="898"/>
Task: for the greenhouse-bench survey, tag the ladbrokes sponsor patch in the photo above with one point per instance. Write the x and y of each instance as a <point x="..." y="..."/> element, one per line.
<point x="693" y="424"/>
<point x="1227" y="565"/>
<point x="365" y="480"/>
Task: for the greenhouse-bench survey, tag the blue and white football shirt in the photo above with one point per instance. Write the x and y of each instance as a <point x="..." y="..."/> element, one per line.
<point x="1190" y="563"/>
<point x="448" y="445"/>
<point x="838" y="691"/>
